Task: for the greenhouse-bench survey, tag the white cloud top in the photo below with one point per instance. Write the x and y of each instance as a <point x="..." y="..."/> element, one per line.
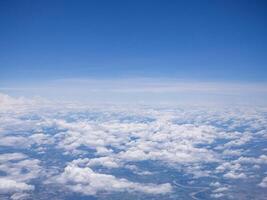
<point x="82" y="149"/>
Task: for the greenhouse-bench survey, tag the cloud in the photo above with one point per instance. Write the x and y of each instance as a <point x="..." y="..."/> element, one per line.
<point x="108" y="162"/>
<point x="40" y="138"/>
<point x="146" y="90"/>
<point x="230" y="152"/>
<point x="20" y="196"/>
<point x="84" y="147"/>
<point x="220" y="189"/>
<point x="263" y="183"/>
<point x="262" y="159"/>
<point x="217" y="195"/>
<point x="235" y="175"/>
<point x="86" y="181"/>
<point x="14" y="141"/>
<point x="169" y="143"/>
<point x="8" y="185"/>
<point x="18" y="171"/>
<point x="12" y="157"/>
<point x="21" y="103"/>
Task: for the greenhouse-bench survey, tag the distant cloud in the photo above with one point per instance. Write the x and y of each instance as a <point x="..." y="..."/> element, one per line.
<point x="144" y="90"/>
<point x="98" y="140"/>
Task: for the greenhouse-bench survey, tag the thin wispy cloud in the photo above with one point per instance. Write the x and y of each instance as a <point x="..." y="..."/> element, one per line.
<point x="142" y="89"/>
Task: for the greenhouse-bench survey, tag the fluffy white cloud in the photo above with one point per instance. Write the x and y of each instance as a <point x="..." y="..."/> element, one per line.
<point x="159" y="140"/>
<point x="217" y="195"/>
<point x="40" y="138"/>
<point x="86" y="181"/>
<point x="9" y="185"/>
<point x="197" y="142"/>
<point x="235" y="175"/>
<point x="18" y="171"/>
<point x="260" y="160"/>
<point x="13" y="141"/>
<point x="11" y="157"/>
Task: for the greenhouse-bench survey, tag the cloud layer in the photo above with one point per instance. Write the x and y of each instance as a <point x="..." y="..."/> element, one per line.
<point x="107" y="150"/>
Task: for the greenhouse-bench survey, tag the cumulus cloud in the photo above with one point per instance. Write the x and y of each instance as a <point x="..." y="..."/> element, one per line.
<point x="84" y="146"/>
<point x="263" y="183"/>
<point x="12" y="156"/>
<point x="18" y="171"/>
<point x="18" y="141"/>
<point x="21" y="103"/>
<point x="235" y="175"/>
<point x="8" y="185"/>
<point x="262" y="159"/>
<point x="158" y="140"/>
<point x="40" y="138"/>
<point x="217" y="195"/>
<point x="86" y="181"/>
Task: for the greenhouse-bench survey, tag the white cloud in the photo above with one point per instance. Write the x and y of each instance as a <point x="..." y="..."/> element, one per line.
<point x="263" y="183"/>
<point x="260" y="160"/>
<point x="240" y="141"/>
<point x="147" y="90"/>
<point x="231" y="152"/>
<point x="215" y="184"/>
<point x="198" y="142"/>
<point x="108" y="162"/>
<point x="235" y="175"/>
<point x="11" y="157"/>
<point x="9" y="185"/>
<point x="40" y="138"/>
<point x="86" y="181"/>
<point x="220" y="189"/>
<point x="19" y="104"/>
<point x="20" y="196"/>
<point x="217" y="195"/>
<point x="18" y="171"/>
<point x="14" y="141"/>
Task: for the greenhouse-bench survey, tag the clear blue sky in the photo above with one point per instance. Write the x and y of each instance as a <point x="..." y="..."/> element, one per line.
<point x="192" y="40"/>
<point x="135" y="51"/>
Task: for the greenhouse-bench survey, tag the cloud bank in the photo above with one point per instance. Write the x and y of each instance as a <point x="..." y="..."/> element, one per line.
<point x="150" y="150"/>
<point x="143" y="90"/>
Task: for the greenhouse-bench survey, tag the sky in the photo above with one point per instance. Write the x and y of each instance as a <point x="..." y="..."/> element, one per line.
<point x="206" y="42"/>
<point x="133" y="99"/>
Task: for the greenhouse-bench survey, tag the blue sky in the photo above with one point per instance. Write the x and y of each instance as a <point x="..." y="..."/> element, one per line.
<point x="199" y="41"/>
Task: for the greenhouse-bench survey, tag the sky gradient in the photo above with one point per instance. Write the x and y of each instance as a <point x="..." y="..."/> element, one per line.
<point x="197" y="41"/>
